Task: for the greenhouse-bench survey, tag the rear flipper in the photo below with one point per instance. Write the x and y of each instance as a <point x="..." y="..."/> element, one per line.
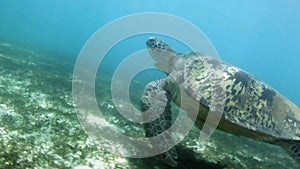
<point x="156" y="99"/>
<point x="292" y="147"/>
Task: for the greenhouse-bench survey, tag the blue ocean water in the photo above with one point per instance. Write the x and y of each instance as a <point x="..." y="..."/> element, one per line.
<point x="261" y="37"/>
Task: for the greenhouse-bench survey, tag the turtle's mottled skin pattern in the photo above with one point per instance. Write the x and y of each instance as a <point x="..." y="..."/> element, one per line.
<point x="251" y="108"/>
<point x="155" y="99"/>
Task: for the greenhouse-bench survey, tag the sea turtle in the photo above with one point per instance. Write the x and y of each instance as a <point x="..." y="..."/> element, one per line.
<point x="251" y="107"/>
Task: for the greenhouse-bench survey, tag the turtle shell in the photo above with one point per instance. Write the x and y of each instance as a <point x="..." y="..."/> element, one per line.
<point x="248" y="102"/>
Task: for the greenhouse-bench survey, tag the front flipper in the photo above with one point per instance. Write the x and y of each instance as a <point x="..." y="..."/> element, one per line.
<point x="154" y="99"/>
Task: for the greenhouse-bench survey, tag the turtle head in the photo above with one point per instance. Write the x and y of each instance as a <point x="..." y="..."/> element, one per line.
<point x="162" y="53"/>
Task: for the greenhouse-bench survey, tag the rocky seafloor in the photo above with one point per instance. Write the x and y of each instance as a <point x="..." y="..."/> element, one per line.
<point x="39" y="127"/>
